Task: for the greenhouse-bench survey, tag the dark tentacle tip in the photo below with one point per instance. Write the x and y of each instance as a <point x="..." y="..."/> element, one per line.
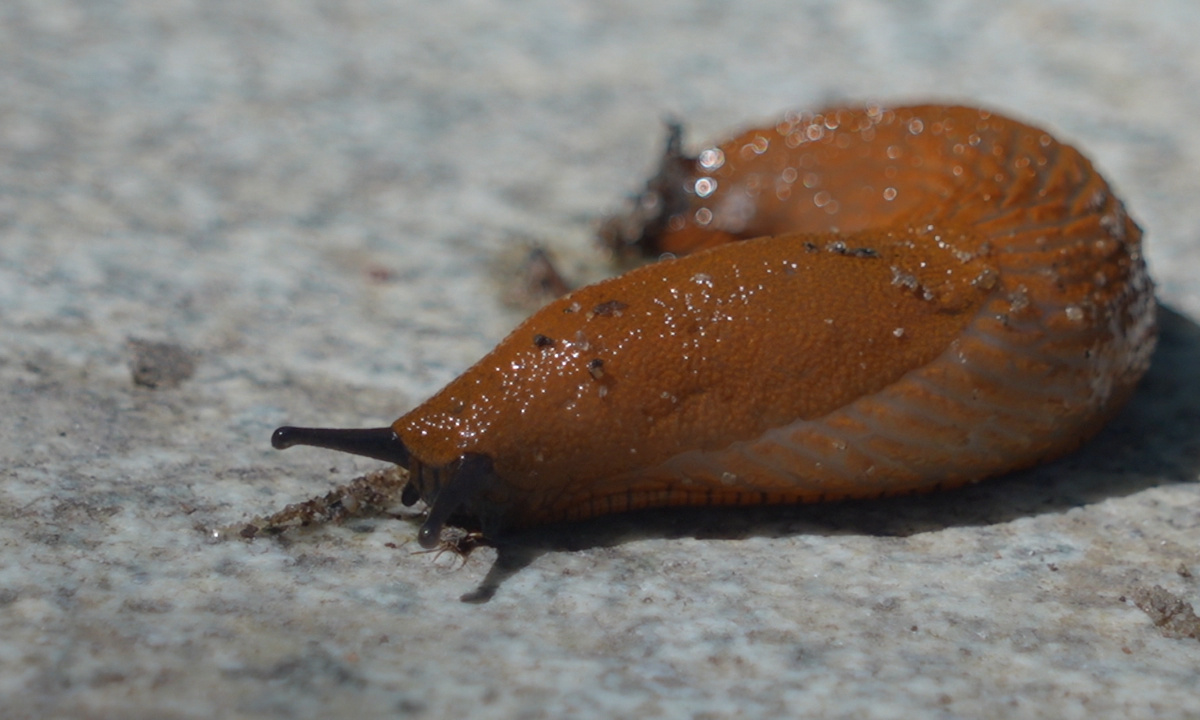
<point x="284" y="437"/>
<point x="429" y="536"/>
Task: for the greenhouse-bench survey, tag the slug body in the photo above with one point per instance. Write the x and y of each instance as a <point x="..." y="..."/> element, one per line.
<point x="863" y="303"/>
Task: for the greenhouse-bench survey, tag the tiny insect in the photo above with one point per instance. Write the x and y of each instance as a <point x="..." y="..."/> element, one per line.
<point x="858" y="302"/>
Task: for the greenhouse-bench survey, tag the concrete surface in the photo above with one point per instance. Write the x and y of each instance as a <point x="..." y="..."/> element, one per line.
<point x="313" y="203"/>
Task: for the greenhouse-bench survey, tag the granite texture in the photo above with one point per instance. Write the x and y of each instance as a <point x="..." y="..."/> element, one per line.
<point x="218" y="217"/>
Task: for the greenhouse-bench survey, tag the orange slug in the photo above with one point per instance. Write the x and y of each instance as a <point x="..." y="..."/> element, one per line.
<point x="863" y="302"/>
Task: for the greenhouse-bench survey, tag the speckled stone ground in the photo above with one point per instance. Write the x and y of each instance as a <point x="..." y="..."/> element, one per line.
<point x="313" y="204"/>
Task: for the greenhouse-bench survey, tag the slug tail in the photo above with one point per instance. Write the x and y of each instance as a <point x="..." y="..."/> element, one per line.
<point x="637" y="231"/>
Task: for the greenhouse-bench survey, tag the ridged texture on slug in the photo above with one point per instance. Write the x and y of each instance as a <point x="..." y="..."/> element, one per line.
<point x="936" y="295"/>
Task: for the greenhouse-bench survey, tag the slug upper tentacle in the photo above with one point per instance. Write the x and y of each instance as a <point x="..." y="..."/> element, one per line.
<point x="862" y="303"/>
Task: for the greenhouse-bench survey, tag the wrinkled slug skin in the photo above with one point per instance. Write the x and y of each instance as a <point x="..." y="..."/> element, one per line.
<point x="881" y="301"/>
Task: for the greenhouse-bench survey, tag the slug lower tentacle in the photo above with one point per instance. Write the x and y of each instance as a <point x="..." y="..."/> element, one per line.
<point x="862" y="303"/>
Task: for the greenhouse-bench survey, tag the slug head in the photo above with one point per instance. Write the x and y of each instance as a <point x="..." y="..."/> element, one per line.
<point x="455" y="487"/>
